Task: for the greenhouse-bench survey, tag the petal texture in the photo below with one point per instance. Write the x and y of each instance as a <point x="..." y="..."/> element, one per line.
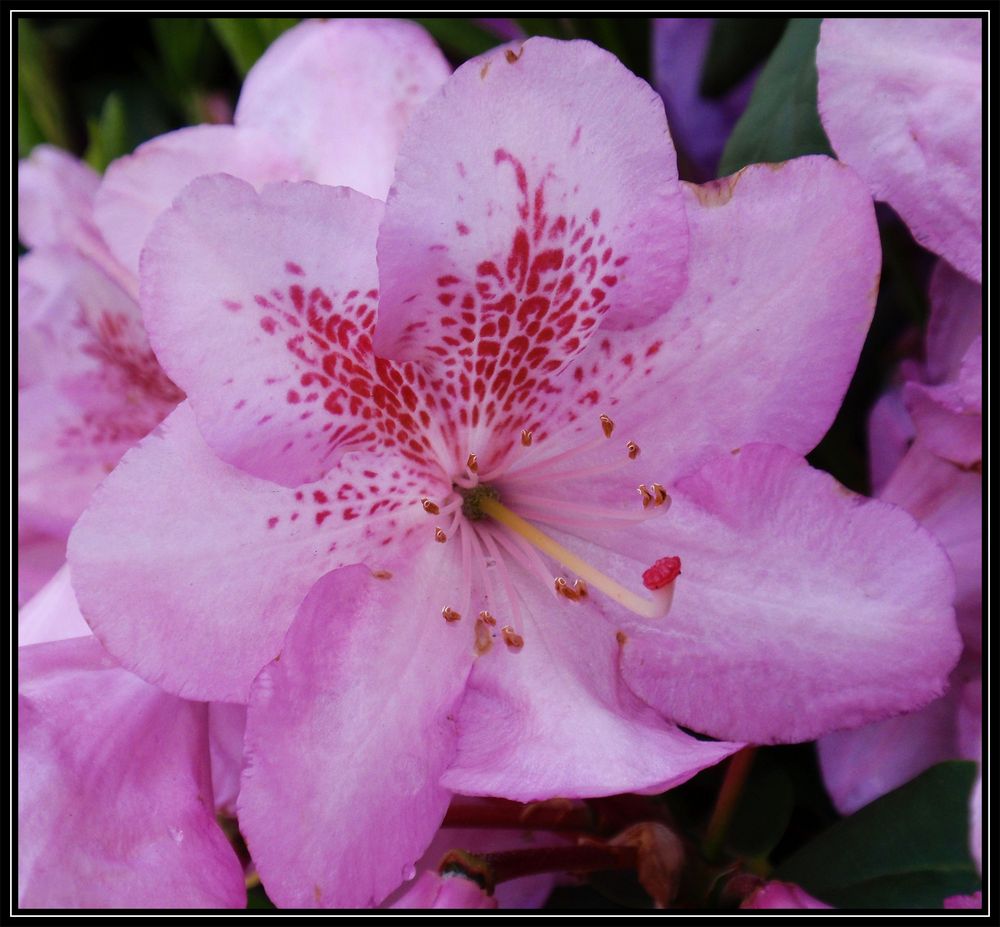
<point x="339" y="95"/>
<point x="115" y="806"/>
<point x="901" y="100"/>
<point x="801" y="607"/>
<point x="347" y="735"/>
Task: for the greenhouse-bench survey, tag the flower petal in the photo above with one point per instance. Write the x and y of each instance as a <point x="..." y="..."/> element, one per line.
<point x="340" y="93"/>
<point x="956" y="319"/>
<point x="52" y="615"/>
<point x="355" y="721"/>
<point x="55" y="195"/>
<point x="138" y="187"/>
<point x="39" y="556"/>
<point x="226" y="726"/>
<point x="190" y="571"/>
<point x="262" y="308"/>
<point x="529" y="205"/>
<point x="554" y="718"/>
<point x="431" y="890"/>
<point x="901" y="102"/>
<point x="781" y="256"/>
<point x="801" y="608"/>
<point x="114" y="802"/>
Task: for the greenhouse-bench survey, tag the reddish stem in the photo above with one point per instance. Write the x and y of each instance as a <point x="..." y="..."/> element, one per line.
<point x="728" y="800"/>
<point x="501" y="814"/>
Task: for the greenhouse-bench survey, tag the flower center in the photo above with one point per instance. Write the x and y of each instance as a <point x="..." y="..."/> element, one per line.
<point x="491" y="531"/>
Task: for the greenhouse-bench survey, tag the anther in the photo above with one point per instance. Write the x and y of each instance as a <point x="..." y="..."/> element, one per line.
<point x="429" y="507"/>
<point x="382" y="574"/>
<point x="647" y="497"/>
<point x="449" y="614"/>
<point x="484" y="637"/>
<point x="473" y="463"/>
<point x="580" y="588"/>
<point x="659" y="494"/>
<point x="526" y="437"/>
<point x="607" y="425"/>
<point x="633" y="450"/>
<point x="488" y="618"/>
<point x="662" y="573"/>
<point x="511" y="638"/>
<point x="572" y="593"/>
<point x="440" y="536"/>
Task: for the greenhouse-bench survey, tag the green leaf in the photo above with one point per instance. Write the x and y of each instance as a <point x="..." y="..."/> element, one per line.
<point x="736" y="47"/>
<point x="553" y="28"/>
<point x="460" y="36"/>
<point x="247" y="39"/>
<point x="108" y="134"/>
<point x="781" y="120"/>
<point x="762" y="816"/>
<point x="908" y="849"/>
<point x="39" y="106"/>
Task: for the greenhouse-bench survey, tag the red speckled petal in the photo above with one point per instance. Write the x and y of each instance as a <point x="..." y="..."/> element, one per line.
<point x="802" y="608"/>
<point x="139" y="186"/>
<point x="354" y="724"/>
<point x="528" y="207"/>
<point x="115" y="791"/>
<point x="190" y="571"/>
<point x="340" y="93"/>
<point x="555" y="719"/>
<point x="901" y="100"/>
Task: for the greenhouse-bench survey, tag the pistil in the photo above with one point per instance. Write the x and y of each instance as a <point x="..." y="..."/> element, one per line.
<point x="661" y="594"/>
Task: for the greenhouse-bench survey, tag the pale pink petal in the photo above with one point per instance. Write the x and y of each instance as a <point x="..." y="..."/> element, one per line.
<point x="900" y="100"/>
<point x="138" y="187"/>
<point x="431" y="890"/>
<point x="801" y="608"/>
<point x="554" y="719"/>
<point x="348" y="733"/>
<point x="782" y="256"/>
<point x="115" y="792"/>
<point x="262" y="307"/>
<point x="52" y="615"/>
<point x="949" y="417"/>
<point x="55" y="196"/>
<point x="39" y="556"/>
<point x="948" y="502"/>
<point x="862" y="765"/>
<point x="226" y="725"/>
<point x="956" y="319"/>
<point x="890" y="434"/>
<point x="782" y="896"/>
<point x="529" y="205"/>
<point x="957" y="902"/>
<point x="339" y="95"/>
<point x="190" y="571"/>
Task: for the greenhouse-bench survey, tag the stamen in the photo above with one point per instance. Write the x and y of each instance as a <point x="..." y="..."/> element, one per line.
<point x="659" y="494"/>
<point x="484" y="637"/>
<point x="655" y="607"/>
<point x="440" y="536"/>
<point x="607" y="425"/>
<point x="494" y="551"/>
<point x="647" y="496"/>
<point x="473" y="463"/>
<point x="449" y="614"/>
<point x="526" y="437"/>
<point x="488" y="618"/>
<point x="513" y="640"/>
<point x="632" y="449"/>
<point x="430" y="508"/>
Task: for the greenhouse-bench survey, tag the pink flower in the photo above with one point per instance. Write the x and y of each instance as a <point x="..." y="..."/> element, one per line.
<point x="782" y="896"/>
<point x="115" y="793"/>
<point x="901" y="100"/>
<point x="91" y="387"/>
<point x="444" y="891"/>
<point x="938" y="481"/>
<point x="536" y="264"/>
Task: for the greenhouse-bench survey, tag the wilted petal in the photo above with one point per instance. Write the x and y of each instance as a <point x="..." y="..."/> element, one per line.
<point x="115" y="792"/>
<point x="340" y="93"/>
<point x="354" y="721"/>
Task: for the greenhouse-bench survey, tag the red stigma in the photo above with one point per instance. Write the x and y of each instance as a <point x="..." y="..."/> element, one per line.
<point x="662" y="573"/>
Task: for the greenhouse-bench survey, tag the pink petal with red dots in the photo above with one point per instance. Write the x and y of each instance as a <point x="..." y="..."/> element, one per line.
<point x="115" y="799"/>
<point x="801" y="608"/>
<point x="554" y="718"/>
<point x="356" y="721"/>
<point x="339" y="95"/>
<point x="262" y="307"/>
<point x="190" y="571"/>
<point x="139" y="186"/>
<point x="781" y="256"/>
<point x="55" y="196"/>
<point x="528" y="206"/>
<point x="909" y="120"/>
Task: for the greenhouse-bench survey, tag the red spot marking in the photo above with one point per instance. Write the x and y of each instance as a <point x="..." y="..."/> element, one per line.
<point x="321" y="515"/>
<point x="232" y="305"/>
<point x="662" y="573"/>
<point x="294" y="268"/>
<point x="268" y="324"/>
<point x="350" y="514"/>
<point x="272" y="521"/>
<point x="653" y="348"/>
<point x="319" y="495"/>
<point x="293" y="397"/>
<point x="462" y="228"/>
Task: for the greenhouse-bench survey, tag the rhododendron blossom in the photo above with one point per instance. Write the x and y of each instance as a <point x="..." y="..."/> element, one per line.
<point x="464" y="496"/>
